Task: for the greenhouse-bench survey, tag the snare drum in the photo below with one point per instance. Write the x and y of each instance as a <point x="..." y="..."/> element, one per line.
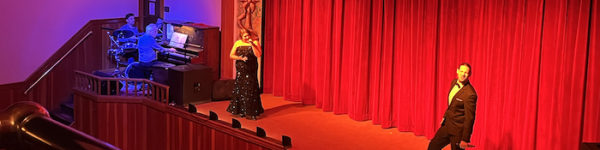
<point x="129" y="45"/>
<point x="130" y="50"/>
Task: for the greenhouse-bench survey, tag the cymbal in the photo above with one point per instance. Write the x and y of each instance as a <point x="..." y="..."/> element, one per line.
<point x="123" y="33"/>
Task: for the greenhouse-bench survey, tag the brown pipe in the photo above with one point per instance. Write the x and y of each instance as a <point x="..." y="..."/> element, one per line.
<point x="27" y="125"/>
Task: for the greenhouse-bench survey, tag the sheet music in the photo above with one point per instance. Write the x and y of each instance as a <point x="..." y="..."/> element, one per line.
<point x="178" y="40"/>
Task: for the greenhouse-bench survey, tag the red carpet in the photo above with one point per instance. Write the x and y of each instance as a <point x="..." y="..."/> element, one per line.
<point x="311" y="128"/>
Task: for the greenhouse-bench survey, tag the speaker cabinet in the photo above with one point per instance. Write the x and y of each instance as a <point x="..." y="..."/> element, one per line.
<point x="191" y="83"/>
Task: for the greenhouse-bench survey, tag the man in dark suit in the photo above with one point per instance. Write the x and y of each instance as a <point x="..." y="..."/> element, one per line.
<point x="457" y="124"/>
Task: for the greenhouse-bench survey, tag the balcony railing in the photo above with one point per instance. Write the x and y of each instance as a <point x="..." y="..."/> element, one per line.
<point x="27" y="125"/>
<point x="121" y="87"/>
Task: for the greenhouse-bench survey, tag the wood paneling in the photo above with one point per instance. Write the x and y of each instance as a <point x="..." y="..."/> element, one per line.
<point x="11" y="93"/>
<point x="56" y="86"/>
<point x="140" y="123"/>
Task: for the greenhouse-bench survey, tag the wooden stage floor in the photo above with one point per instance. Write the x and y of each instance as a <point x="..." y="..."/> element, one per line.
<point x="311" y="128"/>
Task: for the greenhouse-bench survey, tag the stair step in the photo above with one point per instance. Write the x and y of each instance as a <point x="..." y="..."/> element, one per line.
<point x="63" y="118"/>
<point x="64" y="114"/>
<point x="67" y="108"/>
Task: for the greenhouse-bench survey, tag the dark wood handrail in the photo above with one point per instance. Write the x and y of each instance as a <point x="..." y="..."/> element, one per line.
<point x="57" y="62"/>
<point x="67" y="48"/>
<point x="27" y="125"/>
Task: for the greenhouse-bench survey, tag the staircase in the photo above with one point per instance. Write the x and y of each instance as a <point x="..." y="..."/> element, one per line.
<point x="64" y="114"/>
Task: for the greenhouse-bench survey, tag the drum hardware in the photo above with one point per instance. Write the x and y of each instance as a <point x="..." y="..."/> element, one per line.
<point x="129" y="45"/>
<point x="133" y="70"/>
<point x="121" y="44"/>
<point x="122" y="34"/>
<point x="115" y="51"/>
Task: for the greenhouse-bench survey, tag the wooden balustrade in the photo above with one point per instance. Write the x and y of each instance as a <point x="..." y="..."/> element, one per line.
<point x="137" y="120"/>
<point x="121" y="86"/>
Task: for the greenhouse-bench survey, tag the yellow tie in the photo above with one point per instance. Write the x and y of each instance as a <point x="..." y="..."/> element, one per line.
<point x="453" y="92"/>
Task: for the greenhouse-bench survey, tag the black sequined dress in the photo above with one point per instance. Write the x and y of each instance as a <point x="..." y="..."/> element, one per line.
<point x="245" y="99"/>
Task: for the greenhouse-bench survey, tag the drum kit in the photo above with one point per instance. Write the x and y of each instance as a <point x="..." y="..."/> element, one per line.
<point x="122" y="45"/>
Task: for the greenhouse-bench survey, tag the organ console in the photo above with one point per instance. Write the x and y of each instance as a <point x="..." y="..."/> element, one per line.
<point x="189" y="71"/>
<point x="201" y="45"/>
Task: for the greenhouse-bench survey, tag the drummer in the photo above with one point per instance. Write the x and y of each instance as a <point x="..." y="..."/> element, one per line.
<point x="130" y="19"/>
<point x="128" y="38"/>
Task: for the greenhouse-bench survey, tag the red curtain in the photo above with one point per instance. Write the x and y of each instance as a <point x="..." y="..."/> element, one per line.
<point x="391" y="61"/>
<point x="562" y="73"/>
<point x="591" y="119"/>
<point x="501" y="40"/>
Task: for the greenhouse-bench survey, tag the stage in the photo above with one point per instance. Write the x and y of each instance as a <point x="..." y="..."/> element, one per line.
<point x="311" y="128"/>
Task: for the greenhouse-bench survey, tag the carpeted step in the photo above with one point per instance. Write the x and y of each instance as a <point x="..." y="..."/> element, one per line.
<point x="68" y="106"/>
<point x="64" y="114"/>
<point x="62" y="117"/>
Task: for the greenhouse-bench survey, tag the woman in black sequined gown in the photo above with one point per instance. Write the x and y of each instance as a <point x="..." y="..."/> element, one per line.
<point x="245" y="100"/>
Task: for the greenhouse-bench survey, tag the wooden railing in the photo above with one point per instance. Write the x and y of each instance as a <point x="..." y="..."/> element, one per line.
<point x="57" y="62"/>
<point x="121" y="87"/>
<point x="139" y="122"/>
<point x="27" y="125"/>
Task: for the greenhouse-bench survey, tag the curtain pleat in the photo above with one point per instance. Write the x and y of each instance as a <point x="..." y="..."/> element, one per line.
<point x="591" y="120"/>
